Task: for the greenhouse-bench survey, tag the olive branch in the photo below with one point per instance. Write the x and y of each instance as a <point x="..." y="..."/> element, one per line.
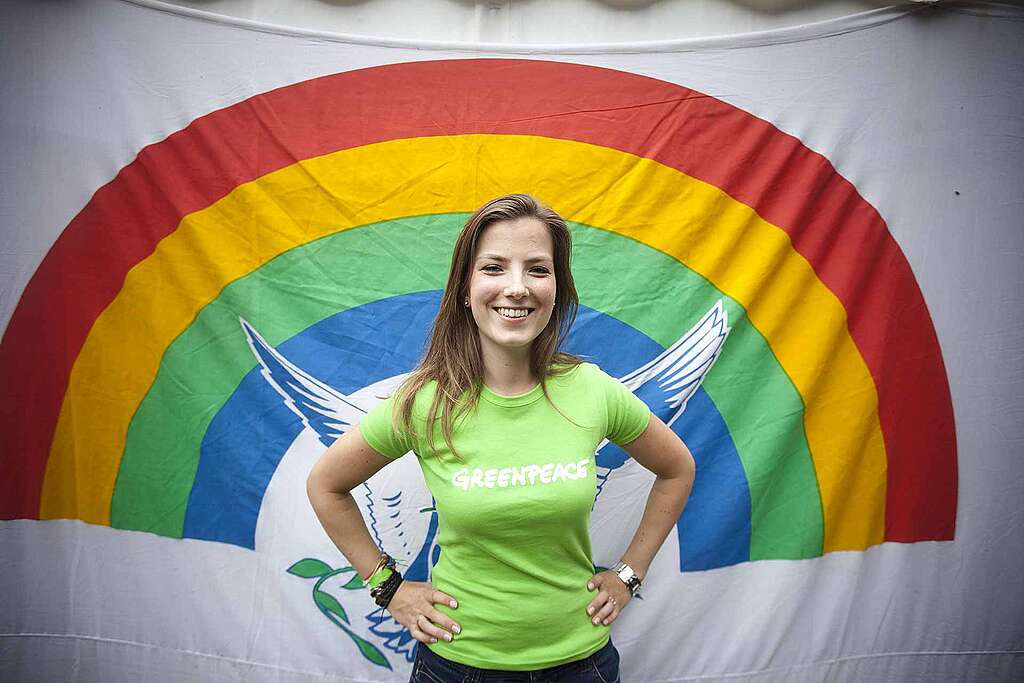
<point x="310" y="568"/>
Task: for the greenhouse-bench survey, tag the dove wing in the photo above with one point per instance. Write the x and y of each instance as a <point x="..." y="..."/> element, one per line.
<point x="321" y="408"/>
<point x="668" y="381"/>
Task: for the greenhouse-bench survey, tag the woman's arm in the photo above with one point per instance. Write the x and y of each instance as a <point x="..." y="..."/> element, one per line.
<point x="663" y="453"/>
<point x="345" y="465"/>
<point x="349" y="462"/>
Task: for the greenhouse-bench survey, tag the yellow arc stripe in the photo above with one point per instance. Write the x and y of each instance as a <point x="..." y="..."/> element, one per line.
<point x="747" y="258"/>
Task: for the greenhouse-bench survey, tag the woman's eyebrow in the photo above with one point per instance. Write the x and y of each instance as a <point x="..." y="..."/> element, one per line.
<point x="502" y="259"/>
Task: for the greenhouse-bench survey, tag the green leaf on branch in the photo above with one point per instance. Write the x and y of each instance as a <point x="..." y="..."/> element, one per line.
<point x="331" y="604"/>
<point x="310" y="568"/>
<point x="370" y="652"/>
<point x="355" y="582"/>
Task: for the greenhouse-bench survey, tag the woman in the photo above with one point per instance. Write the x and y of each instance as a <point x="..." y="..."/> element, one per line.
<point x="505" y="427"/>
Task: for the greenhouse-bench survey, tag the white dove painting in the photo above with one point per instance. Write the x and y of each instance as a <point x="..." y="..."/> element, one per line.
<point x="396" y="504"/>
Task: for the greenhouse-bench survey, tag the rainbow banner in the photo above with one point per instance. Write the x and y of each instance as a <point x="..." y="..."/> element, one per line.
<point x="299" y="221"/>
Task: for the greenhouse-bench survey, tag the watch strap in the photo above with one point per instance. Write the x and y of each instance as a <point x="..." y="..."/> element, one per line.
<point x="628" y="576"/>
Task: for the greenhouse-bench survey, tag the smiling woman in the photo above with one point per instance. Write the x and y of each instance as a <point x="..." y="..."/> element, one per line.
<point x="513" y="478"/>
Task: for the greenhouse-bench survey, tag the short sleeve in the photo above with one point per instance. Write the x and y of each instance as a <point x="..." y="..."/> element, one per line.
<point x="628" y="416"/>
<point x="381" y="435"/>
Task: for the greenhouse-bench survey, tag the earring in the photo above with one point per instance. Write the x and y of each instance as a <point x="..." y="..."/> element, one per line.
<point x="466" y="302"/>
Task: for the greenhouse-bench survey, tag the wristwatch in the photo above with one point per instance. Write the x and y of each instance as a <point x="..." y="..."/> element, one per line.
<point x="628" y="577"/>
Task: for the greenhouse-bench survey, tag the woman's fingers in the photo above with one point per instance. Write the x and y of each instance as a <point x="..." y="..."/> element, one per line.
<point x="440" y="598"/>
<point x="433" y="632"/>
<point x="604" y="607"/>
<point x="610" y="611"/>
<point x="413" y="606"/>
<point x="446" y="623"/>
<point x="436" y="626"/>
<point x="430" y="624"/>
<point x="440" y="618"/>
<point x="418" y="633"/>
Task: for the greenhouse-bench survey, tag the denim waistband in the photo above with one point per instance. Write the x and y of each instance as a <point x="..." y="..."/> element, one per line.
<point x="431" y="667"/>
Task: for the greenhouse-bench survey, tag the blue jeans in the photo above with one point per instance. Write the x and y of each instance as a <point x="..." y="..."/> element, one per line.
<point x="600" y="667"/>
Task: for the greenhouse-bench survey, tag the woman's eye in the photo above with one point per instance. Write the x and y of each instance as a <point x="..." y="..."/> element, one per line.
<point x="537" y="270"/>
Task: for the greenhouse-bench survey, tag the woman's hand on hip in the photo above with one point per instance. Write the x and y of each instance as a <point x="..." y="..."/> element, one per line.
<point x="612" y="596"/>
<point x="412" y="605"/>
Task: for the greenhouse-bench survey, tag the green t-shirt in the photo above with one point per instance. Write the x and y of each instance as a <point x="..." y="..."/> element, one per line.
<point x="513" y="519"/>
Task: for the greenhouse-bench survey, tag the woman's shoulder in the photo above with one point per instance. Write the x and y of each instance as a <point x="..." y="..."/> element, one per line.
<point x="583" y="364"/>
<point x="592" y="374"/>
<point x="584" y="371"/>
<point x="392" y="400"/>
<point x="424" y="394"/>
<point x="423" y="401"/>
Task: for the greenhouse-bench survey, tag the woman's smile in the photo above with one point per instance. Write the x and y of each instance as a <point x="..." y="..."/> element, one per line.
<point x="514" y="314"/>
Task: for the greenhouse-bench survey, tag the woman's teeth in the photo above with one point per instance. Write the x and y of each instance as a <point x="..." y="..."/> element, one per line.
<point x="513" y="312"/>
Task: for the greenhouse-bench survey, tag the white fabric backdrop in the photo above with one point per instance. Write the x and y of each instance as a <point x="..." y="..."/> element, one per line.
<point x="911" y="107"/>
<point x="525" y="21"/>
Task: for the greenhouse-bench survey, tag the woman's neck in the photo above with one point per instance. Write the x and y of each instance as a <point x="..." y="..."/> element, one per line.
<point x="509" y="375"/>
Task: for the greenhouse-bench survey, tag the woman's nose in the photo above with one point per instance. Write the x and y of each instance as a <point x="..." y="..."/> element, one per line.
<point x="516" y="288"/>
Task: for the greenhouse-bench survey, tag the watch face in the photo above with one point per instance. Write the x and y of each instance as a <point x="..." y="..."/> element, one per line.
<point x="628" y="577"/>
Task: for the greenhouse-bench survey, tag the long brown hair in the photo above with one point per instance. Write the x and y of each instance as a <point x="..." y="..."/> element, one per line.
<point x="453" y="357"/>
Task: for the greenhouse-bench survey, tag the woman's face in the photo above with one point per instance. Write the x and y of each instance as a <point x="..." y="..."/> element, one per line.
<point x="512" y="286"/>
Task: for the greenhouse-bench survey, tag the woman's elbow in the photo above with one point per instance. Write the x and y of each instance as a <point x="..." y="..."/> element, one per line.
<point x="316" y="484"/>
<point x="686" y="466"/>
<point x="330" y="477"/>
<point x="312" y="487"/>
<point x="691" y="466"/>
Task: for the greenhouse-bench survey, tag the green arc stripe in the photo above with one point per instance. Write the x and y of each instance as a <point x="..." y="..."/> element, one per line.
<point x="640" y="286"/>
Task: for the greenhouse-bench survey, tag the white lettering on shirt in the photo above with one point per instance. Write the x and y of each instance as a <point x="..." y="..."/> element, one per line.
<point x="527" y="475"/>
<point x="518" y="476"/>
